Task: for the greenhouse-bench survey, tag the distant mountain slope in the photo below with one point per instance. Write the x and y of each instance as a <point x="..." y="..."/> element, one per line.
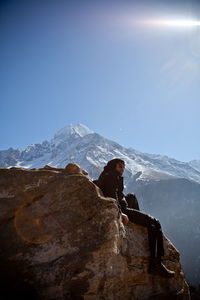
<point x="195" y="164"/>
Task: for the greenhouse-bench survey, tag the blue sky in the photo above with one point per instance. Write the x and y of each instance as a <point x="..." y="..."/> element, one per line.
<point x="95" y="63"/>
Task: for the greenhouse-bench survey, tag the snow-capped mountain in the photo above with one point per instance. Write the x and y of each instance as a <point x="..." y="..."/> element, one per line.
<point x="166" y="188"/>
<point x="92" y="151"/>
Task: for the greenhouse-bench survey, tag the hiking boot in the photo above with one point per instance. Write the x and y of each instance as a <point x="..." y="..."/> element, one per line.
<point x="158" y="268"/>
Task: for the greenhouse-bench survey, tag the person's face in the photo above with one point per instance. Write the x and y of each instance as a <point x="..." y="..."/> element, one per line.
<point x="120" y="167"/>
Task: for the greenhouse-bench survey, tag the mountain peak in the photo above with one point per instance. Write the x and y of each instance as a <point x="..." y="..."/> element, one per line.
<point x="79" y="130"/>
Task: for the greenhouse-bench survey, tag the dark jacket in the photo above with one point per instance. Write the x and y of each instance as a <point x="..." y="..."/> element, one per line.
<point x="111" y="184"/>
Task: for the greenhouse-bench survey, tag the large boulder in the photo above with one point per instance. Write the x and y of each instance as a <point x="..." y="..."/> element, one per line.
<point x="61" y="239"/>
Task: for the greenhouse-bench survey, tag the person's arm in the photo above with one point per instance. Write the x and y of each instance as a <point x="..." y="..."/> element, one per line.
<point x="123" y="205"/>
<point x="122" y="201"/>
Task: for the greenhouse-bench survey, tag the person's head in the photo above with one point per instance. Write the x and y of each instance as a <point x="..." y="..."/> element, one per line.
<point x="115" y="164"/>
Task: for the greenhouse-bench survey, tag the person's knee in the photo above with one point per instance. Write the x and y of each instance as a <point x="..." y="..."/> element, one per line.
<point x="132" y="201"/>
<point x="154" y="222"/>
<point x="157" y="223"/>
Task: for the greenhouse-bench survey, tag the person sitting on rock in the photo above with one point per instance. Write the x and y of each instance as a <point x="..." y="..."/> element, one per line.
<point x="110" y="181"/>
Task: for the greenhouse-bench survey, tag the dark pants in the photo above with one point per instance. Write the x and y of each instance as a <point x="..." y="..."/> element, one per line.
<point x="132" y="201"/>
<point x="155" y="235"/>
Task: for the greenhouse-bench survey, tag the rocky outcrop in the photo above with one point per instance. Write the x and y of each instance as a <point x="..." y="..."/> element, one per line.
<point x="61" y="239"/>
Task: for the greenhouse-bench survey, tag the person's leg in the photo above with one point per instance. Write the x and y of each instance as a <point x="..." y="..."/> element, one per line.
<point x="146" y="220"/>
<point x="138" y="217"/>
<point x="152" y="240"/>
<point x="155" y="240"/>
<point x="132" y="201"/>
<point x="154" y="230"/>
<point x="159" y="237"/>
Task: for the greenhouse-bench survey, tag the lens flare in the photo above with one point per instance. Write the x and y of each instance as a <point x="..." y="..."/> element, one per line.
<point x="172" y="23"/>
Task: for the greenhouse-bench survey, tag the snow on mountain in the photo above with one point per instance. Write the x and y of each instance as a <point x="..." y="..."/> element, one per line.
<point x="91" y="151"/>
<point x="169" y="165"/>
<point x="65" y="133"/>
<point x="195" y="164"/>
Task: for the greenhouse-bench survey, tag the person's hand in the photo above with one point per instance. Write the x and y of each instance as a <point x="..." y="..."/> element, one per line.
<point x="125" y="219"/>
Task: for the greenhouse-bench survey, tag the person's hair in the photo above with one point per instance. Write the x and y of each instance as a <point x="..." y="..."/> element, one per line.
<point x="110" y="166"/>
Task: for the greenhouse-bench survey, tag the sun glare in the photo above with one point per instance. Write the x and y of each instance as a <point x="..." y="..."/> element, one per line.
<point x="172" y="23"/>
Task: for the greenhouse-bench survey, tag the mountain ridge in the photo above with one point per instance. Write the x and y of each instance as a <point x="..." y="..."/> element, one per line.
<point x="72" y="138"/>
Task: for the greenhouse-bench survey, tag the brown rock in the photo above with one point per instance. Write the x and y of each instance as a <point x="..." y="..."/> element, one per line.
<point x="61" y="239"/>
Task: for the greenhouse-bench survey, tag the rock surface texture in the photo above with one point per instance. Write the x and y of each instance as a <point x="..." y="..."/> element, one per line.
<point x="61" y="239"/>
